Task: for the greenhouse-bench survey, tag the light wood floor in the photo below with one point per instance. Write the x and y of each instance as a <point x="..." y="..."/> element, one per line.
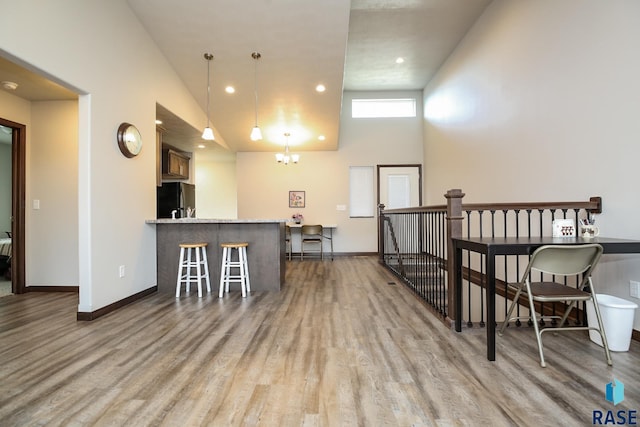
<point x="338" y="346"/>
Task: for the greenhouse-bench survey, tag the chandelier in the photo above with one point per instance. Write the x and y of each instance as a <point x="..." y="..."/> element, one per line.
<point x="286" y="157"/>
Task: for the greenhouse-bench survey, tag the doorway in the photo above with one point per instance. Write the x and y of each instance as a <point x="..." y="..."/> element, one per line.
<point x="399" y="186"/>
<point x="13" y="232"/>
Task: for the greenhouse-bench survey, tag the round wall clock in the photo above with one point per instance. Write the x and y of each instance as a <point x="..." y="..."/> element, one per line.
<point x="129" y="140"/>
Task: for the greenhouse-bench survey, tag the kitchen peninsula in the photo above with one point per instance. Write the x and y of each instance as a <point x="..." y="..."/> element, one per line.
<point x="266" y="251"/>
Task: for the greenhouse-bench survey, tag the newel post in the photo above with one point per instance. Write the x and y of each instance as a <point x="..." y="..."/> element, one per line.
<point x="597" y="200"/>
<point x="381" y="233"/>
<point x="454" y="229"/>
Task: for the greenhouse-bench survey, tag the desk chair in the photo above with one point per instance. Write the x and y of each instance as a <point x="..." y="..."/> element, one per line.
<point x="311" y="235"/>
<point x="559" y="261"/>
<point x="330" y="239"/>
<point x="287" y="240"/>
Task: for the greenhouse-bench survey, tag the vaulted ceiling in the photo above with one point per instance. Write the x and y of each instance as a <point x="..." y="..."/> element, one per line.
<point x="344" y="45"/>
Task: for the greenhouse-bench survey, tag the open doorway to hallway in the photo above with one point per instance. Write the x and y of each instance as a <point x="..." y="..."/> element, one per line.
<point x="47" y="223"/>
<point x="5" y="210"/>
<point x="12" y="184"/>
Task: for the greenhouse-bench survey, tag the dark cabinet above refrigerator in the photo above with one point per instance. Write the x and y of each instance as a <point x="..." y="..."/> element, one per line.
<point x="175" y="164"/>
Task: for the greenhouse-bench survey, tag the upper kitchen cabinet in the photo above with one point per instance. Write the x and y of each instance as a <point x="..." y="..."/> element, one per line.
<point x="175" y="164"/>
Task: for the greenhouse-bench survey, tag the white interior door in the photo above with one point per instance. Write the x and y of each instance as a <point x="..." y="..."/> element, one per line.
<point x="399" y="186"/>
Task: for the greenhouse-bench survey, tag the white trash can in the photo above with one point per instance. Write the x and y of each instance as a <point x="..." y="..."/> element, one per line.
<point x="617" y="318"/>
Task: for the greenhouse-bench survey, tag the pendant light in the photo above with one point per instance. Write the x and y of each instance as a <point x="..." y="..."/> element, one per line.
<point x="286" y="157"/>
<point x="256" y="134"/>
<point x="208" y="132"/>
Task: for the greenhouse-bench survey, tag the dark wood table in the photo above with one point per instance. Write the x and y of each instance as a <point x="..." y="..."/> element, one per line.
<point x="493" y="246"/>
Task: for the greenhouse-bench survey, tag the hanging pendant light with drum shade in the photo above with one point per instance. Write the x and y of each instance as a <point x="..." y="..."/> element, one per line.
<point x="208" y="132"/>
<point x="256" y="134"/>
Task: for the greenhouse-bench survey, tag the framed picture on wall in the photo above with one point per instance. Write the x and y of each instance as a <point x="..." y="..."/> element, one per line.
<point x="296" y="199"/>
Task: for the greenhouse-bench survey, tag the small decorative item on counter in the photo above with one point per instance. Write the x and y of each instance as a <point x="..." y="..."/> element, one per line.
<point x="297" y="217"/>
<point x="564" y="228"/>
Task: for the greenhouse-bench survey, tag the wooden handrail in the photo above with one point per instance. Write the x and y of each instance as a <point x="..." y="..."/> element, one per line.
<point x="435" y="208"/>
<point x="594" y="205"/>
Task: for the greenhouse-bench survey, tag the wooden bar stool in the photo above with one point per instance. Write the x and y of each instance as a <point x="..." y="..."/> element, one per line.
<point x="241" y="264"/>
<point x="189" y="251"/>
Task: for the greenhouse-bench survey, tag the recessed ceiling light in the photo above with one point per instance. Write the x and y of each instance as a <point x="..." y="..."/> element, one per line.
<point x="321" y="138"/>
<point x="9" y="85"/>
<point x="158" y="122"/>
<point x="399" y="60"/>
<point x="320" y="88"/>
<point x="230" y="89"/>
<point x="201" y="146"/>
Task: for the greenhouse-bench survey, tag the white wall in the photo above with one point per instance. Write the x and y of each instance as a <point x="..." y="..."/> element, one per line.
<point x="52" y="231"/>
<point x="264" y="185"/>
<point x="101" y="50"/>
<point x="539" y="102"/>
<point x="216" y="186"/>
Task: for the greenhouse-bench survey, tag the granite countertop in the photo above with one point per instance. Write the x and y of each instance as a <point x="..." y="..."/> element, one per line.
<point x="212" y="221"/>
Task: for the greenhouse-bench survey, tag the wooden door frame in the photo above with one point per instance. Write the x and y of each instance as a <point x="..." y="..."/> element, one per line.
<point x="419" y="166"/>
<point x="18" y="185"/>
<point x="378" y="168"/>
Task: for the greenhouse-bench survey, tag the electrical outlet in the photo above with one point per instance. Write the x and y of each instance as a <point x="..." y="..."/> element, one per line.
<point x="121" y="271"/>
<point x="634" y="288"/>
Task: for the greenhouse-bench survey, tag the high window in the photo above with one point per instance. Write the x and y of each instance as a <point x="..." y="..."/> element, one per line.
<point x="377" y="108"/>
